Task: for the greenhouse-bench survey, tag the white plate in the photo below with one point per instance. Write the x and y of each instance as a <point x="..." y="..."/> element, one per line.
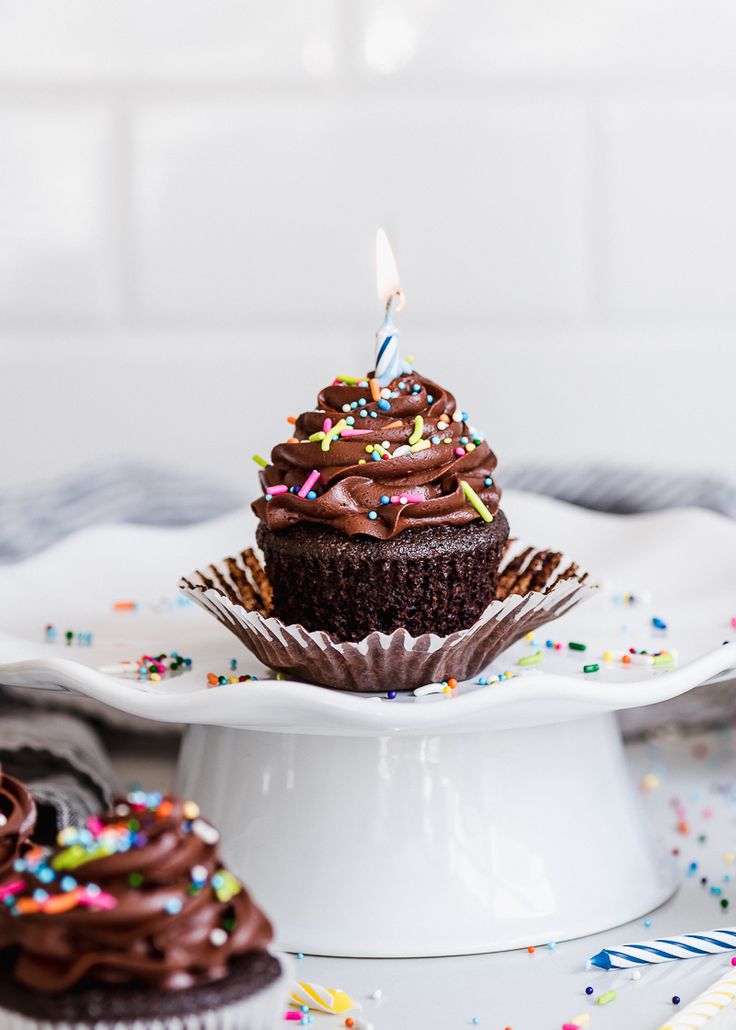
<point x="683" y="560"/>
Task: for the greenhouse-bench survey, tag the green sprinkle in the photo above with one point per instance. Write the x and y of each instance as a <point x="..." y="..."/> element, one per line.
<point x="135" y="879"/>
<point x="316" y="436"/>
<point x="604" y="999"/>
<point x="416" y="435"/>
<point x="530" y="659"/>
<point x="591" y="668"/>
<point x="260" y="461"/>
<point x="475" y="500"/>
<point x="577" y="647"/>
<point x="664" y="659"/>
<point x="332" y="433"/>
<point x="350" y="380"/>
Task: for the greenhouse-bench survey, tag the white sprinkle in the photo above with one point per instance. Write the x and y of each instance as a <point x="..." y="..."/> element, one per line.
<point x="401" y="451"/>
<point x="199" y="874"/>
<point x="636" y="974"/>
<point x="346" y="407"/>
<point x="377" y="994"/>
<point x="218" y="937"/>
<point x="429" y="688"/>
<point x="457" y="416"/>
<point x="642" y="659"/>
<point x="385" y="393"/>
<point x="205" y="831"/>
<point x="362" y="1024"/>
<point x="385" y="443"/>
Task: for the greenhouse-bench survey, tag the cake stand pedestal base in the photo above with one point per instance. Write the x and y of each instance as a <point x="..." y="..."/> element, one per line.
<point x="409" y="845"/>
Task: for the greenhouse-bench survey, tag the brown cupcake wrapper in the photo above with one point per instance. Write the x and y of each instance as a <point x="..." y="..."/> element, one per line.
<point x="531" y="592"/>
<point x="260" y="1011"/>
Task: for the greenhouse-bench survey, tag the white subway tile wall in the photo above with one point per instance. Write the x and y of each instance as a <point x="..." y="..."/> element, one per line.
<point x="189" y="193"/>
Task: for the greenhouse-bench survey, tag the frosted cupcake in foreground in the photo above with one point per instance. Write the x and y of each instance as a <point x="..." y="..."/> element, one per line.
<point x="134" y="921"/>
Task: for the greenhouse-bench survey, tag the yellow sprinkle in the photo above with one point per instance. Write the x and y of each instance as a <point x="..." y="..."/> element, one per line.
<point x="531" y="659"/>
<point x="423" y="445"/>
<point x="447" y="690"/>
<point x="469" y="447"/>
<point x="528" y="636"/>
<point x="416" y="435"/>
<point x="260" y="461"/>
<point x="350" y="380"/>
<point x="475" y="500"/>
<point x="361" y="461"/>
<point x="332" y="433"/>
<point x="190" y="809"/>
<point x="317" y="436"/>
<point x="448" y="439"/>
<point x="729" y="857"/>
<point x="582" y="1020"/>
<point x="608" y="656"/>
<point x="605" y="999"/>
<point x="369" y="448"/>
<point x="232" y="679"/>
<point x="154" y="677"/>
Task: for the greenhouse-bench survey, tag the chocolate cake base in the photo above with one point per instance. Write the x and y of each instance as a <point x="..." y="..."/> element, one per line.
<point x="125" y="1003"/>
<point x="428" y="579"/>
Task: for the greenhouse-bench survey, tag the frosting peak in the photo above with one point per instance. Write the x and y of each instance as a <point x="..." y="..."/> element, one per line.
<point x="17" y="820"/>
<point x="377" y="461"/>
<point x="139" y="895"/>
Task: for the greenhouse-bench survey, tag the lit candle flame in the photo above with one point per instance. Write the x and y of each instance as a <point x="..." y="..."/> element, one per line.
<point x="387" y="274"/>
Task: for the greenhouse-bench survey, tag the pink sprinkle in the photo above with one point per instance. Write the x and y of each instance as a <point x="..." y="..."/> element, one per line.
<point x="413" y="498"/>
<point x="681" y="811"/>
<point x="707" y="813"/>
<point x="95" y="824"/>
<point x="327" y="425"/>
<point x="280" y="489"/>
<point x="103" y="901"/>
<point x="355" y="432"/>
<point x="558" y="646"/>
<point x="292" y="1015"/>
<point x="14" y="887"/>
<point x="309" y="483"/>
<point x="459" y="451"/>
<point x="395" y="499"/>
<point x="733" y="622"/>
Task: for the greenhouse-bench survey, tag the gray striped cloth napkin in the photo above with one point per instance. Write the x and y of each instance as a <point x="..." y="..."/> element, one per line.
<point x="58" y="753"/>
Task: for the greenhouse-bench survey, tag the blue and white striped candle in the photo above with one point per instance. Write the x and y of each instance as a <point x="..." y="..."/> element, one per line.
<point x="689" y="945"/>
<point x="388" y="360"/>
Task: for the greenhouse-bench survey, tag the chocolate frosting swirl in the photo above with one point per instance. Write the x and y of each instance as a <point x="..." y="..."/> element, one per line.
<point x="354" y="491"/>
<point x="138" y="896"/>
<point x="17" y="820"/>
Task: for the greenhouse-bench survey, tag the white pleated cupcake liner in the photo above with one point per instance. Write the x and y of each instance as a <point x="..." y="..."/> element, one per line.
<point x="381" y="661"/>
<point x="260" y="1011"/>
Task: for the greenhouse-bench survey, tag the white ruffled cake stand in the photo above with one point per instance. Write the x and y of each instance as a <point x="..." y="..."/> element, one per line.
<point x="499" y="818"/>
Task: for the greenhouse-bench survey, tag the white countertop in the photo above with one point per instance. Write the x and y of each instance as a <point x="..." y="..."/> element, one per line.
<point x="543" y="990"/>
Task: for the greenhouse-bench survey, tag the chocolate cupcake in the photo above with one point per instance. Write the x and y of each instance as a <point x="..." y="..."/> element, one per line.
<point x="17" y="820"/>
<point x="134" y="921"/>
<point x="381" y="513"/>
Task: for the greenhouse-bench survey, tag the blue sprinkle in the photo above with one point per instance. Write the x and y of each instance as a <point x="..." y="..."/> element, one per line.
<point x="372" y="515"/>
<point x="268" y="497"/>
<point x="552" y="945"/>
<point x="376" y="456"/>
<point x="350" y="420"/>
<point x="362" y="402"/>
<point x="311" y="495"/>
<point x="300" y="955"/>
<point x="475" y="1021"/>
<point x="716" y="890"/>
<point x="373" y="414"/>
<point x="40" y="895"/>
<point x="488" y="481"/>
<point x="416" y="388"/>
<point x="384" y="405"/>
<point x="233" y="663"/>
<point x="435" y="439"/>
<point x="430" y="398"/>
<point x="68" y="883"/>
<point x="188" y="662"/>
<point x="465" y="416"/>
<point x="659" y="623"/>
<point x="463" y="439"/>
<point x="173" y="906"/>
<point x="647" y="922"/>
<point x="46" y="874"/>
<point x="293" y="489"/>
<point x="391" y="694"/>
<point x="364" y="414"/>
<point x="385" y="499"/>
<point x="483" y="681"/>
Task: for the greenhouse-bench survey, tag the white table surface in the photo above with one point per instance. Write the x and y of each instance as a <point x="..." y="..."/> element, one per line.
<point x="543" y="990"/>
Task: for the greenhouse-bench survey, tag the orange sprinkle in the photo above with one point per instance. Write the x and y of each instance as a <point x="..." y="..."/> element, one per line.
<point x="530" y="949"/>
<point x="211" y="678"/>
<point x="393" y="425"/>
<point x="350" y="1021"/>
<point x="62" y="902"/>
<point x="292" y="439"/>
<point x="452" y="683"/>
<point x="290" y="418"/>
<point x="376" y="395"/>
<point x="164" y="809"/>
<point x="26" y="906"/>
<point x="124" y="606"/>
<point x="626" y="658"/>
<point x="683" y="828"/>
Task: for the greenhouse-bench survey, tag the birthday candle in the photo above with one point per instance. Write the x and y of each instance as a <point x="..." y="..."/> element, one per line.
<point x="388" y="360"/>
<point x="690" y="945"/>
<point x="707" y="1005"/>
